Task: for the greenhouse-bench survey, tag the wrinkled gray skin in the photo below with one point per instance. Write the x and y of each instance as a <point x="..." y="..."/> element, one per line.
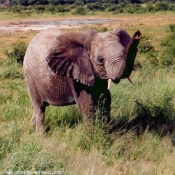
<point x="66" y="68"/>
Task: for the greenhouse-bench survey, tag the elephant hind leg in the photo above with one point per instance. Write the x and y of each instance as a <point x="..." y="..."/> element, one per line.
<point x="37" y="120"/>
<point x="38" y="117"/>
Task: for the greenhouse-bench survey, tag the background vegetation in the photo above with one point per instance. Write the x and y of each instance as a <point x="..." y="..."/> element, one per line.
<point x="141" y="138"/>
<point x="84" y="7"/>
<point x="81" y="8"/>
<point x="62" y="2"/>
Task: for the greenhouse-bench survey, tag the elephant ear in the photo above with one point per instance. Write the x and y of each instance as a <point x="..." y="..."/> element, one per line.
<point x="123" y="36"/>
<point x="67" y="56"/>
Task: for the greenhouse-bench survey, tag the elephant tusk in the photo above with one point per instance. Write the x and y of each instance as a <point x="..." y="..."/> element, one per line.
<point x="109" y="83"/>
<point x="129" y="79"/>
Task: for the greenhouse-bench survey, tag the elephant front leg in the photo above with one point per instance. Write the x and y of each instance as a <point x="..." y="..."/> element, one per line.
<point x="93" y="101"/>
<point x="86" y="105"/>
<point x="94" y="106"/>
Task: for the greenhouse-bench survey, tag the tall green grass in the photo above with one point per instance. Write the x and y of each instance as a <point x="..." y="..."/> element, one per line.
<point x="75" y="147"/>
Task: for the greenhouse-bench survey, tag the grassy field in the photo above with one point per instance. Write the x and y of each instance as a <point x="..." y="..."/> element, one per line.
<point x="143" y="138"/>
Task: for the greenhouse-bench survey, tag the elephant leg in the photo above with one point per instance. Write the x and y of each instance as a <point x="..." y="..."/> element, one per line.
<point x="38" y="117"/>
<point x="83" y="99"/>
<point x="37" y="120"/>
<point x="86" y="105"/>
<point x="92" y="108"/>
<point x="91" y="100"/>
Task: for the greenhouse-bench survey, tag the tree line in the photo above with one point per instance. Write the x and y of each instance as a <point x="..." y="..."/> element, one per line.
<point x="63" y="2"/>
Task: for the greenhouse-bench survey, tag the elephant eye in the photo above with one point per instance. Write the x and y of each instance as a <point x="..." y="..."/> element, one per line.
<point x="100" y="60"/>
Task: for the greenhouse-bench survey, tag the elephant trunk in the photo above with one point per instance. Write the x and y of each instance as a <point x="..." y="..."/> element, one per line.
<point x="130" y="54"/>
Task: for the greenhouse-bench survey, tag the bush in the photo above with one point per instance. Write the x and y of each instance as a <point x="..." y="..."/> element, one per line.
<point x="149" y="7"/>
<point x="113" y="8"/>
<point x="154" y="115"/>
<point x="80" y="11"/>
<point x="167" y="57"/>
<point x="16" y="9"/>
<point x="61" y="9"/>
<point x="96" y="7"/>
<point x="11" y="72"/>
<point x="161" y="6"/>
<point x="16" y="54"/>
<point x="39" y="8"/>
<point x="172" y="28"/>
<point x="50" y="9"/>
<point x="135" y="8"/>
<point x="145" y="45"/>
<point x="170" y="39"/>
<point x="166" y="42"/>
<point x="79" y="3"/>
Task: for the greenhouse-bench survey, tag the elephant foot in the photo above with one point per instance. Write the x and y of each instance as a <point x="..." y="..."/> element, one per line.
<point x="38" y="124"/>
<point x="33" y="123"/>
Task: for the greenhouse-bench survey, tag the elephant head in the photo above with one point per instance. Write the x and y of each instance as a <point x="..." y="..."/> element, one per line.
<point x="83" y="56"/>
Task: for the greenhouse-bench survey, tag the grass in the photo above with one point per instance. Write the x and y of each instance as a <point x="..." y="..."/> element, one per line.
<point x="142" y="141"/>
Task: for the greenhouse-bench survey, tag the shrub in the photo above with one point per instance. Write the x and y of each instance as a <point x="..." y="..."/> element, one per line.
<point x="123" y="5"/>
<point x="155" y="115"/>
<point x="11" y="72"/>
<point x="168" y="56"/>
<point x="135" y="8"/>
<point x="166" y="42"/>
<point x="172" y="28"/>
<point x="161" y="6"/>
<point x="96" y="7"/>
<point x="61" y="9"/>
<point x="137" y="65"/>
<point x="149" y="7"/>
<point x="113" y="8"/>
<point x="79" y="2"/>
<point x="130" y="10"/>
<point x="1" y="9"/>
<point x="39" y="8"/>
<point x="16" y="54"/>
<point x="152" y="57"/>
<point x="145" y="45"/>
<point x="80" y="11"/>
<point x="50" y="9"/>
<point x="170" y="39"/>
<point x="16" y="9"/>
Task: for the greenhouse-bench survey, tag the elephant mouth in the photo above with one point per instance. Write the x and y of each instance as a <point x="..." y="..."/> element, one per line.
<point x="116" y="81"/>
<point x="103" y="76"/>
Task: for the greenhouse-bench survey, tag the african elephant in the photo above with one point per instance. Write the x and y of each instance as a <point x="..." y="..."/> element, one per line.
<point x="67" y="68"/>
